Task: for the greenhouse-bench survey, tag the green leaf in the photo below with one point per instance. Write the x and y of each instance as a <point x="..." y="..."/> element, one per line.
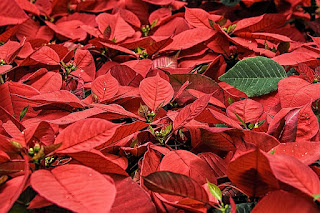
<point x="315" y="197"/>
<point x="242" y="122"/>
<point x="214" y="190"/>
<point x="251" y="125"/>
<point x="23" y="112"/>
<point x="16" y="144"/>
<point x="231" y="28"/>
<point x="255" y="76"/>
<point x="261" y="122"/>
<point x="107" y="32"/>
<point x="153" y="23"/>
<point x="212" y="23"/>
<point x="272" y="151"/>
<point x="19" y="208"/>
<point x="222" y="22"/>
<point x="151" y="130"/>
<point x="230" y="3"/>
<point x="317" y="163"/>
<point x="283" y="47"/>
<point x="221" y="125"/>
<point x="230" y="101"/>
<point x="241" y="208"/>
<point x="168" y="129"/>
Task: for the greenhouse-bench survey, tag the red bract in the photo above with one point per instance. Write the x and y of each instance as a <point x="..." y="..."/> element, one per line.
<point x="10" y="191"/>
<point x="307" y="152"/>
<point x="104" y="87"/>
<point x="293" y="172"/>
<point x="75" y="196"/>
<point x="175" y="184"/>
<point x="98" y="162"/>
<point x="289" y="201"/>
<point x="126" y="190"/>
<point x="58" y="97"/>
<point x="44" y="81"/>
<point x="187" y="164"/>
<point x="248" y="110"/>
<point x="113" y="27"/>
<point x="85" y="67"/>
<point x="11" y="13"/>
<point x="155" y="92"/>
<point x="189" y="38"/>
<point x="34" y="32"/>
<point x="46" y="55"/>
<point x="85" y="135"/>
<point x="11" y="102"/>
<point x="295" y="92"/>
<point x="251" y="172"/>
<point x="191" y="111"/>
<point x="159" y="106"/>
<point x="199" y="17"/>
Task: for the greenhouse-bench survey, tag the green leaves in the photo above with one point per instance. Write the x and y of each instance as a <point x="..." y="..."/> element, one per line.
<point x="316" y="197"/>
<point x="23" y="112"/>
<point x="215" y="190"/>
<point x="230" y="3"/>
<point x="255" y="76"/>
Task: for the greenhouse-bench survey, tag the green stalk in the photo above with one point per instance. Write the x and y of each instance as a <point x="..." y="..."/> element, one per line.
<point x="1" y="80"/>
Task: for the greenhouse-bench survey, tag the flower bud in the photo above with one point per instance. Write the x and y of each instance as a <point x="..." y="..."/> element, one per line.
<point x="31" y="152"/>
<point x="36" y="147"/>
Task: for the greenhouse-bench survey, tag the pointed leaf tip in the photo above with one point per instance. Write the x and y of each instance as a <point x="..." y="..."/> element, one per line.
<point x="215" y="190"/>
<point x="154" y="91"/>
<point x="191" y="111"/>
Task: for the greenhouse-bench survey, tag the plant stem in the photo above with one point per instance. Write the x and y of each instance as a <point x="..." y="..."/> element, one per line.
<point x="1" y="80"/>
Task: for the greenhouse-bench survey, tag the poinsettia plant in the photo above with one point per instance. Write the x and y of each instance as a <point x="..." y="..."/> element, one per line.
<point x="159" y="106"/>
